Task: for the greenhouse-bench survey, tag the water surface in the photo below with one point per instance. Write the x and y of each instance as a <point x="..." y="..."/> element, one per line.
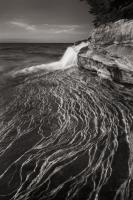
<point x="65" y="134"/>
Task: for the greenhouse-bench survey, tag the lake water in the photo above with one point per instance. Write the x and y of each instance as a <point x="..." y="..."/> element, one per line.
<point x="64" y="134"/>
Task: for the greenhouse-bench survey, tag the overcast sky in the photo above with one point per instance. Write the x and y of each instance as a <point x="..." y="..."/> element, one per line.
<point x="44" y="20"/>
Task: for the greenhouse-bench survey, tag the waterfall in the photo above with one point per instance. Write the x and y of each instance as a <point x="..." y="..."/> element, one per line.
<point x="70" y="56"/>
<point x="68" y="60"/>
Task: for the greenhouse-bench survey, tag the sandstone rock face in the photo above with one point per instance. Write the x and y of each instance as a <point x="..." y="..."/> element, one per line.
<point x="110" y="53"/>
<point x="120" y="32"/>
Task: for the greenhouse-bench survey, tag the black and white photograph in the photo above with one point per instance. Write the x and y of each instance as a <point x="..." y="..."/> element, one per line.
<point x="66" y="99"/>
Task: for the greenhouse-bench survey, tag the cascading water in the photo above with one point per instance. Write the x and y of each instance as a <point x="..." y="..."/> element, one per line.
<point x="68" y="60"/>
<point x="70" y="56"/>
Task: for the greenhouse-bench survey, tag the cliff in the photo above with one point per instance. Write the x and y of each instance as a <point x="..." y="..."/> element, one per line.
<point x="110" y="51"/>
<point x="120" y="32"/>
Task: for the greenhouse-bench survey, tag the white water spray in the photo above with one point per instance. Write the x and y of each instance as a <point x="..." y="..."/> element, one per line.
<point x="68" y="60"/>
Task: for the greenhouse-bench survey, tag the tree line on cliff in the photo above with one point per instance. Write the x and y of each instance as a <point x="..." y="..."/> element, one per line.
<point x="106" y="11"/>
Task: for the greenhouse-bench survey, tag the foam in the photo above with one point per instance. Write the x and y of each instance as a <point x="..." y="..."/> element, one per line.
<point x="68" y="60"/>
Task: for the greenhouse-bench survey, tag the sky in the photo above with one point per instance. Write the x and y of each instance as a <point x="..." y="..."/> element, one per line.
<point x="44" y="21"/>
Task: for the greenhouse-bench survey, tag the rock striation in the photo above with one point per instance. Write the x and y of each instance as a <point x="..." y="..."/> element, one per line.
<point x="110" y="51"/>
<point x="120" y="32"/>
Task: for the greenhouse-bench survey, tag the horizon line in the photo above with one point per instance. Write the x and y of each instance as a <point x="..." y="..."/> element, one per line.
<point x="36" y="42"/>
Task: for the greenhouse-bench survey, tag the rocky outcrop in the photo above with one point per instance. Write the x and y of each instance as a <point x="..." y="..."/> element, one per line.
<point x="120" y="32"/>
<point x="110" y="52"/>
